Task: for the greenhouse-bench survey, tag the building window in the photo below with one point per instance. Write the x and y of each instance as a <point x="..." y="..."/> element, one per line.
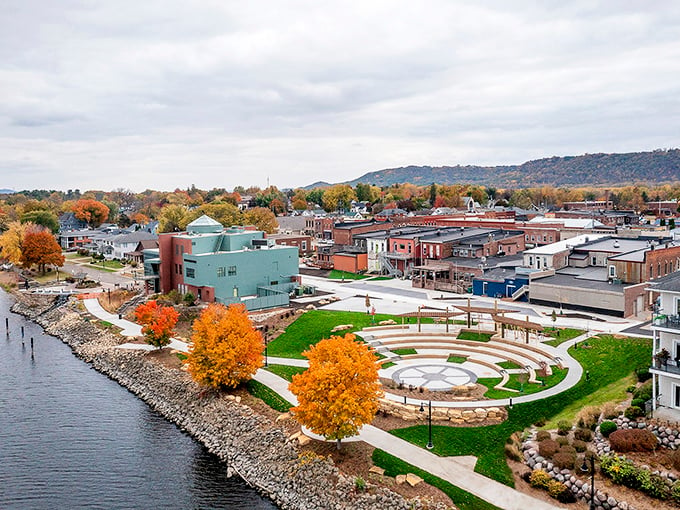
<point x="304" y="245"/>
<point x="191" y="272"/>
<point x="176" y="249"/>
<point x="593" y="261"/>
<point x="232" y="270"/>
<point x="612" y="271"/>
<point x="532" y="238"/>
<point x="676" y="395"/>
<point x="651" y="271"/>
<point x="221" y="272"/>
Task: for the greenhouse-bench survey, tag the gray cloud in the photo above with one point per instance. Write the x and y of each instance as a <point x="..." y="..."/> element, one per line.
<point x="167" y="94"/>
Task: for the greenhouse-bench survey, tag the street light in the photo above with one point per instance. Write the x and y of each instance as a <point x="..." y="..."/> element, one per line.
<point x="429" y="445"/>
<point x="266" y="360"/>
<point x="584" y="469"/>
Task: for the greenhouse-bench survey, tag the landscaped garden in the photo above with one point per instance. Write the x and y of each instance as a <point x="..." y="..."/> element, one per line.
<point x="608" y="359"/>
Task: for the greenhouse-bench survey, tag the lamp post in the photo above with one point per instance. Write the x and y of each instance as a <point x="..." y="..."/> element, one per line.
<point x="429" y="445"/>
<point x="266" y="360"/>
<point x="584" y="469"/>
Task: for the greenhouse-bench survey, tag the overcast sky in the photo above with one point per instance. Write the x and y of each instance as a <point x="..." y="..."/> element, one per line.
<point x="220" y="93"/>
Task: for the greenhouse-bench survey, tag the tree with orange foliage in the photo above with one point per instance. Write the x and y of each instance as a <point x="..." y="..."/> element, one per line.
<point x="339" y="392"/>
<point x="227" y="349"/>
<point x="139" y="218"/>
<point x="91" y="211"/>
<point x="40" y="248"/>
<point x="158" y="322"/>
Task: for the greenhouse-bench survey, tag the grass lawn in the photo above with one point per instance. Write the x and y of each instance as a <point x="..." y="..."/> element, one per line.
<point x="607" y="358"/>
<point x="456" y="359"/>
<point x="562" y="335"/>
<point x="404" y="352"/>
<point x="478" y="337"/>
<point x="339" y="275"/>
<point x="614" y="392"/>
<point x="387" y="364"/>
<point x="315" y="325"/>
<point x="462" y="499"/>
<point x="285" y="371"/>
<point x="268" y="396"/>
<point x="508" y="365"/>
<point x="75" y="256"/>
<point x="528" y="388"/>
<point x="107" y="264"/>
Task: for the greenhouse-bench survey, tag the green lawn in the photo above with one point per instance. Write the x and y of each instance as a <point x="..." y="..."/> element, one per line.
<point x="404" y="352"/>
<point x="462" y="499"/>
<point x="562" y="335"/>
<point x="456" y="359"/>
<point x="527" y="388"/>
<point x="614" y="392"/>
<point x="107" y="264"/>
<point x="315" y="325"/>
<point x="473" y="335"/>
<point x="608" y="359"/>
<point x="508" y="365"/>
<point x="285" y="371"/>
<point x="387" y="364"/>
<point x="340" y="275"/>
<point x="268" y="396"/>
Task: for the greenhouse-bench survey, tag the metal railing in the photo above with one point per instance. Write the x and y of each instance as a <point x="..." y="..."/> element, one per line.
<point x="667" y="321"/>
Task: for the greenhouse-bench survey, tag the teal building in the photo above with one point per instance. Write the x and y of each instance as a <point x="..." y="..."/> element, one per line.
<point x="233" y="265"/>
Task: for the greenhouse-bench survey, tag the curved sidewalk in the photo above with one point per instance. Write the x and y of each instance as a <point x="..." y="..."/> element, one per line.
<point x="455" y="470"/>
<point x="458" y="471"/>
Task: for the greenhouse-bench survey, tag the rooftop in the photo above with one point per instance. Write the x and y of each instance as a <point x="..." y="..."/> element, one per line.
<point x="552" y="249"/>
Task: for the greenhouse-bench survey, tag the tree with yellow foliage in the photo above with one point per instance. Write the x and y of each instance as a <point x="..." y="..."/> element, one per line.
<point x="339" y="392"/>
<point x="12" y="241"/>
<point x="227" y="349"/>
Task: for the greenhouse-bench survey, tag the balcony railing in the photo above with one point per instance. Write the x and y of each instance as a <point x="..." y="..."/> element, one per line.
<point x="667" y="321"/>
<point x="670" y="366"/>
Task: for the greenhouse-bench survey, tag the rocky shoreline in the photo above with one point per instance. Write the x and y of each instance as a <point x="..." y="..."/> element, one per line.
<point x="250" y="444"/>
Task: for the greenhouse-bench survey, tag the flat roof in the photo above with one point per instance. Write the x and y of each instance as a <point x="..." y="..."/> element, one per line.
<point x="559" y="246"/>
<point x="563" y="280"/>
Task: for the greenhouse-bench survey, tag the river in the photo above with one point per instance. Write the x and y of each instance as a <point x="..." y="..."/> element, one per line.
<point x="72" y="438"/>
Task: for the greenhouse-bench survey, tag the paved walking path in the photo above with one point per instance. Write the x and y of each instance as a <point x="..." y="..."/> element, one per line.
<point x="128" y="328"/>
<point x="458" y="471"/>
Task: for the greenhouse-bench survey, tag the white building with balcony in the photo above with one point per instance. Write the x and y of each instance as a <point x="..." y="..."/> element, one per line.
<point x="665" y="367"/>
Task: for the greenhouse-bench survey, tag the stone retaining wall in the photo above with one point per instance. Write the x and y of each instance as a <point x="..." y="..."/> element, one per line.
<point x="459" y="416"/>
<point x="250" y="444"/>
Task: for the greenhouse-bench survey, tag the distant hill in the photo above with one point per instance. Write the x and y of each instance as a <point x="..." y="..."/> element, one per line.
<point x="7" y="191"/>
<point x="655" y="167"/>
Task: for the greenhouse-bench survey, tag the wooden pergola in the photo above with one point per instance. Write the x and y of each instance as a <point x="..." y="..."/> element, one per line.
<point x="469" y="309"/>
<point x="525" y="325"/>
<point x="430" y="313"/>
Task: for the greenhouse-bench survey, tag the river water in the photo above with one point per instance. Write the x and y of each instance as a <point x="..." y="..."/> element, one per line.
<point x="72" y="438"/>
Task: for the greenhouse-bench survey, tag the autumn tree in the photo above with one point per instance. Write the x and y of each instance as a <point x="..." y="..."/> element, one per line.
<point x="40" y="248"/>
<point x="42" y="217"/>
<point x="262" y="218"/>
<point x="227" y="349"/>
<point x="226" y="214"/>
<point x="91" y="211"/>
<point x="12" y="241"/>
<point x="139" y="218"/>
<point x="339" y="392"/>
<point x="172" y="218"/>
<point x="337" y="197"/>
<point x="158" y="322"/>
